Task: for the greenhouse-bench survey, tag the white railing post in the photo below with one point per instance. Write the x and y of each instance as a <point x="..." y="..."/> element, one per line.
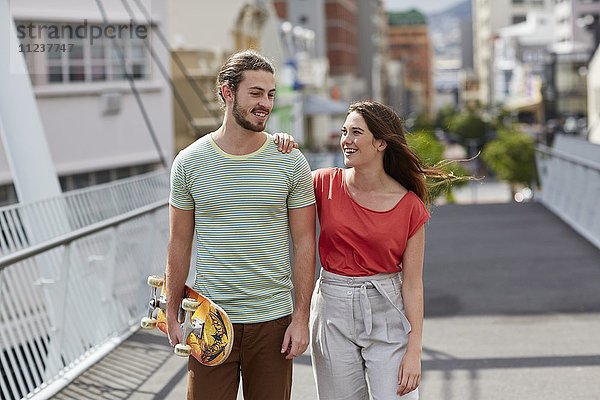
<point x="56" y="304"/>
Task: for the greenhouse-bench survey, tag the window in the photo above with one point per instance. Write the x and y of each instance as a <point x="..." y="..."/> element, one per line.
<point x="8" y="195"/>
<point x="518" y="19"/>
<point x="102" y="176"/>
<point x="70" y="59"/>
<point x="123" y="172"/>
<point x="81" y="180"/>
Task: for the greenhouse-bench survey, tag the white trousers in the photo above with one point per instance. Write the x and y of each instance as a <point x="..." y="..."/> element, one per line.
<point x="359" y="334"/>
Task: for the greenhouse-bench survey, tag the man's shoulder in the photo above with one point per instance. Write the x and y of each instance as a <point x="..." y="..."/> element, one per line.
<point x="192" y="151"/>
<point x="198" y="145"/>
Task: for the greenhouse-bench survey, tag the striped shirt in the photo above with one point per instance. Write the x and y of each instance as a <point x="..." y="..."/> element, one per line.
<point x="241" y="223"/>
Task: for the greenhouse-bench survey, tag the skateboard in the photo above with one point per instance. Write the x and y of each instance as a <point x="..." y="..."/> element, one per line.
<point x="207" y="331"/>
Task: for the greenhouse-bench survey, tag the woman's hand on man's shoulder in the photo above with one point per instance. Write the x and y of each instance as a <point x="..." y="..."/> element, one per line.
<point x="285" y="142"/>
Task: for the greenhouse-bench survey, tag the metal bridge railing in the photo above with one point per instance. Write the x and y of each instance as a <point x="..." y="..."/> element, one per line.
<point x="74" y="290"/>
<point x="570" y="189"/>
<point x="78" y="208"/>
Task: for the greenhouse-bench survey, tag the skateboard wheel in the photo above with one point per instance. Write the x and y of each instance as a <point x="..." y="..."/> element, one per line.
<point x="155" y="281"/>
<point x="148" y="323"/>
<point x="189" y="304"/>
<point x="182" y="350"/>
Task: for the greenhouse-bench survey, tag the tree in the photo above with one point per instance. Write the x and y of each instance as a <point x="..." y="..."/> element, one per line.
<point x="512" y="157"/>
<point x="422" y="123"/>
<point x="468" y="126"/>
<point x="431" y="152"/>
<point x="444" y="115"/>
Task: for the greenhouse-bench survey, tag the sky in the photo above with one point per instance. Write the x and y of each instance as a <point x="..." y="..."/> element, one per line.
<point x="426" y="6"/>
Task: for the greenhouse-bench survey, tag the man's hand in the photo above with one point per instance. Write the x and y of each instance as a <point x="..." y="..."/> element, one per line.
<point x="295" y="340"/>
<point x="173" y="330"/>
<point x="285" y="143"/>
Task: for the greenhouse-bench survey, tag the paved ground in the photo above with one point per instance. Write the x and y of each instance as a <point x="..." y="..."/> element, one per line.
<point x="512" y="312"/>
<point x="512" y="306"/>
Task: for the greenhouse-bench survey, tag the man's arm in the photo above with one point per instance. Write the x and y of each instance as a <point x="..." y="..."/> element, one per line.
<point x="181" y="233"/>
<point x="302" y="229"/>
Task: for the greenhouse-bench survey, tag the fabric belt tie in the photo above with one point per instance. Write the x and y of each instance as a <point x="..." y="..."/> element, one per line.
<point x="365" y="304"/>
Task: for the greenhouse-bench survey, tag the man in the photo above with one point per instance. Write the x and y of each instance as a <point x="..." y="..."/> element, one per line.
<point x="240" y="195"/>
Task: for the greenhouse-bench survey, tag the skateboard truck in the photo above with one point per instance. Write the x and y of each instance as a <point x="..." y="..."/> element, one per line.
<point x="156" y="302"/>
<point x="187" y="309"/>
<point x="195" y="326"/>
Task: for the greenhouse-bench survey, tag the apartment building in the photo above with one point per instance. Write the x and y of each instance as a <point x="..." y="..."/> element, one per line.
<point x="373" y="49"/>
<point x="593" y="88"/>
<point x="572" y="20"/>
<point x="94" y="125"/>
<point x="488" y="17"/>
<point x="574" y="43"/>
<point x="409" y="42"/>
<point x="594" y="98"/>
<point x="522" y="65"/>
<point x="335" y="24"/>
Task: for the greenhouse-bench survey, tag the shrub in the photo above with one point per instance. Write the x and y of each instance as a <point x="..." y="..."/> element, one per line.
<point x="512" y="157"/>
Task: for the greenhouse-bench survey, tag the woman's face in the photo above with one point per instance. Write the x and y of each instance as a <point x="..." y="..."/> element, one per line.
<point x="358" y="144"/>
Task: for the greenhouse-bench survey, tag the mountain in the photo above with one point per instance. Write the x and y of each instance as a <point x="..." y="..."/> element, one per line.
<point x="460" y="11"/>
<point x="445" y="29"/>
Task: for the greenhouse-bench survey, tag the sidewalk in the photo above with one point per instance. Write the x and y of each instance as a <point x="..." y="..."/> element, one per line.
<point x="483" y="192"/>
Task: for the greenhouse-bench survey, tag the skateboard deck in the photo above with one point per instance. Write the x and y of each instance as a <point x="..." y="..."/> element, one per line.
<point x="207" y="331"/>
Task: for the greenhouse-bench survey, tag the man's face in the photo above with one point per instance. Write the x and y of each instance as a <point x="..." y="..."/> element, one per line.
<point x="253" y="101"/>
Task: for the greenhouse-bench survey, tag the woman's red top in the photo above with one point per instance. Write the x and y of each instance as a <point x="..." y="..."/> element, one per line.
<point x="357" y="241"/>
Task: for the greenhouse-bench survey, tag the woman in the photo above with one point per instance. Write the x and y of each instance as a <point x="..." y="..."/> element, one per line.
<point x="368" y="304"/>
<point x="367" y="307"/>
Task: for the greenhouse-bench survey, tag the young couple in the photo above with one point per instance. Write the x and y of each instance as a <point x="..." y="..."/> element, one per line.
<point x="239" y="191"/>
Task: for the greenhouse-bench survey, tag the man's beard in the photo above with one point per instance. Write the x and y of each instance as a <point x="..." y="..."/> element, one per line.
<point x="244" y="123"/>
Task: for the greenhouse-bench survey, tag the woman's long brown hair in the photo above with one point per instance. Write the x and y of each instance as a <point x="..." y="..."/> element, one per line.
<point x="399" y="161"/>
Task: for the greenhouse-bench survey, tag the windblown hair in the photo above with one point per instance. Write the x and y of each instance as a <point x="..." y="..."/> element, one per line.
<point x="399" y="161"/>
<point x="232" y="71"/>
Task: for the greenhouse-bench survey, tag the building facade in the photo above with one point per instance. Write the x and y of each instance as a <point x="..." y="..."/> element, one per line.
<point x="373" y="49"/>
<point x="95" y="127"/>
<point x="522" y="65"/>
<point x="593" y="87"/>
<point x="488" y="17"/>
<point x="572" y="19"/>
<point x="409" y="42"/>
<point x="575" y="39"/>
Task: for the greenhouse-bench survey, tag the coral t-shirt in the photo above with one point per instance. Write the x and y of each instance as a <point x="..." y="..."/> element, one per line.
<point x="357" y="241"/>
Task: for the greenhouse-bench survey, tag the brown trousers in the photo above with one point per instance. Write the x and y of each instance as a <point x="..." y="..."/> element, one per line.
<point x="256" y="354"/>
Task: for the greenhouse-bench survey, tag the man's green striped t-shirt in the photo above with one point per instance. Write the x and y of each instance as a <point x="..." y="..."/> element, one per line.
<point x="241" y="223"/>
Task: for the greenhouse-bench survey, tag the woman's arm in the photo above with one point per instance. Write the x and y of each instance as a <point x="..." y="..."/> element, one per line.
<point x="409" y="374"/>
